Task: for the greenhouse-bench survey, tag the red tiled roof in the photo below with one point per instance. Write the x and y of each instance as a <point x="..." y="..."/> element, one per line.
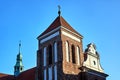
<point x="27" y="75"/>
<point x="6" y="77"/>
<point x="59" y="21"/>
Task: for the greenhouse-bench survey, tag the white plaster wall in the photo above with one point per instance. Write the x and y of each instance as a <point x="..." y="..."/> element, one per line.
<point x="90" y="63"/>
<point x="49" y="37"/>
<point x="67" y="52"/>
<point x="78" y="55"/>
<point x="71" y="36"/>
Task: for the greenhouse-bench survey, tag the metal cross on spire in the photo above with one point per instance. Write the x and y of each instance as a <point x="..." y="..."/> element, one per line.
<point x="19" y="46"/>
<point x="59" y="12"/>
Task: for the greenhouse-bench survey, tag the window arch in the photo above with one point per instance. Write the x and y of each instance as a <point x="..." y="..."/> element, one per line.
<point x="50" y="55"/>
<point x="78" y="55"/>
<point x="67" y="51"/>
<point x="73" y="54"/>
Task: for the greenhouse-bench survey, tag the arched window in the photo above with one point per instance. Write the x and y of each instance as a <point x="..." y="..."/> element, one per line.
<point x="78" y="55"/>
<point x="73" y="54"/>
<point x="67" y="51"/>
<point x="50" y="56"/>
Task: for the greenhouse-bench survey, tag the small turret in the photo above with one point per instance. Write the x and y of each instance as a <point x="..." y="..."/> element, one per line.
<point x="18" y="68"/>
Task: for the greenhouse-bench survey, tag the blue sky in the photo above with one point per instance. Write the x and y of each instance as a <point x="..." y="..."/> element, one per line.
<point x="97" y="20"/>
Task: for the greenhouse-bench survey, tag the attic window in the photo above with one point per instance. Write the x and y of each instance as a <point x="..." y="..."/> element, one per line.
<point x="94" y="62"/>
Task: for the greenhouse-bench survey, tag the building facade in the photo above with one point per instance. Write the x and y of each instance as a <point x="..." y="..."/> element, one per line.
<point x="60" y="56"/>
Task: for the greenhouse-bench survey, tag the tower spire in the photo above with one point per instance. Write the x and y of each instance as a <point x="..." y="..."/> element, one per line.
<point x="59" y="12"/>
<point x="19" y="46"/>
<point x="18" y="68"/>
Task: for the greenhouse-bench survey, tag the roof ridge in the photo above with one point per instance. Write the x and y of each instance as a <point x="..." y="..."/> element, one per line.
<point x="60" y="20"/>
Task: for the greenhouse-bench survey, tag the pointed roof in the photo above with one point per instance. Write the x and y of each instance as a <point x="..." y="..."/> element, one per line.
<point x="19" y="57"/>
<point x="59" y="21"/>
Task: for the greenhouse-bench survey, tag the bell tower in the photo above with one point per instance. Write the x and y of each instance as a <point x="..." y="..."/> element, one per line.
<point x="59" y="54"/>
<point x="18" y="68"/>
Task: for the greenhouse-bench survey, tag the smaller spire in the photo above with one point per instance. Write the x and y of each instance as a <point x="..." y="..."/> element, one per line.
<point x="59" y="12"/>
<point x="19" y="46"/>
<point x="18" y="68"/>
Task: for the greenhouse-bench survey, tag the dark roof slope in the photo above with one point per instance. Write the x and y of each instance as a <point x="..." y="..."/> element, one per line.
<point x="59" y="21"/>
<point x="27" y="75"/>
<point x="6" y="76"/>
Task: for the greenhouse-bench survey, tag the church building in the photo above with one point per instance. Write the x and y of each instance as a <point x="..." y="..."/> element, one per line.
<point x="60" y="56"/>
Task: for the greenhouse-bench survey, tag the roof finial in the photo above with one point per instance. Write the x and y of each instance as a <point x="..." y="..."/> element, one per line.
<point x="59" y="12"/>
<point x="19" y="46"/>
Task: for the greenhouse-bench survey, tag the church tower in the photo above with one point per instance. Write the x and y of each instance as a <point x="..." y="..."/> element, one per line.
<point x="18" y="68"/>
<point x="59" y="54"/>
